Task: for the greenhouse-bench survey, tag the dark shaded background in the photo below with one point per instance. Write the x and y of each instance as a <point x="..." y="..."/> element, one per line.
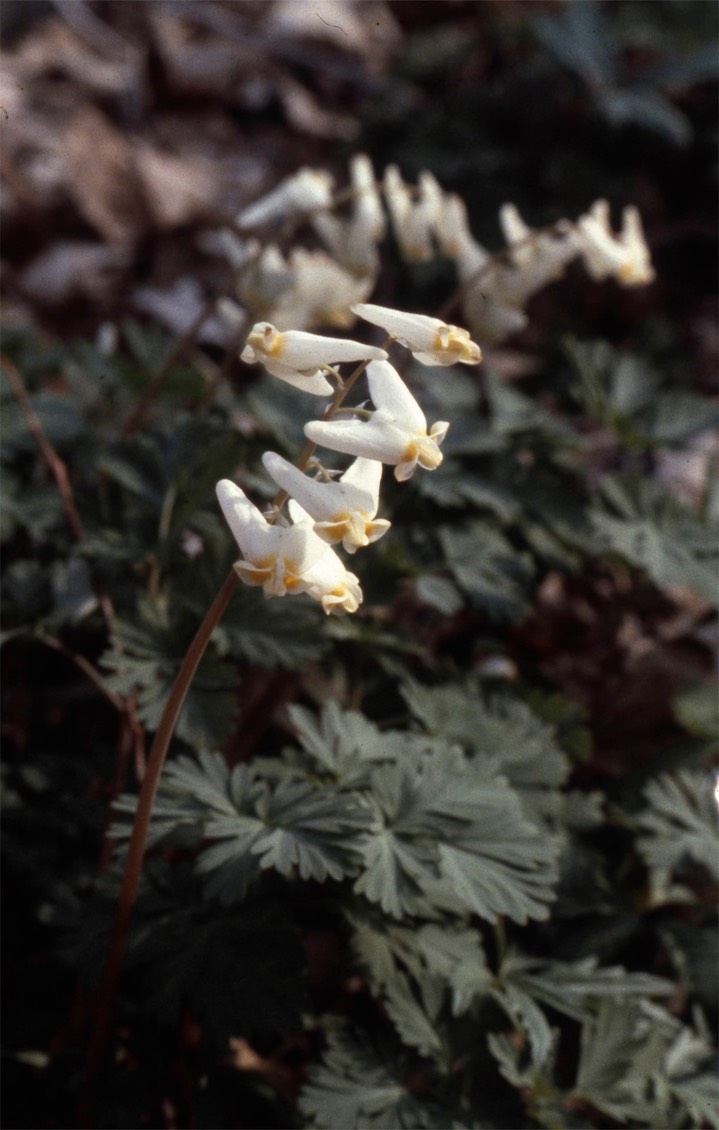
<point x="133" y="131"/>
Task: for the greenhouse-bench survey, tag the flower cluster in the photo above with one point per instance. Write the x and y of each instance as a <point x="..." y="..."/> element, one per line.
<point x="310" y="289"/>
<point x="296" y="555"/>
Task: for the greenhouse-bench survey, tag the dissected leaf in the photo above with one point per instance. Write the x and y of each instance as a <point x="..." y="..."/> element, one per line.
<point x="680" y="822"/>
<point x="361" y="1087"/>
<point x="652" y="530"/>
<point x="488" y="568"/>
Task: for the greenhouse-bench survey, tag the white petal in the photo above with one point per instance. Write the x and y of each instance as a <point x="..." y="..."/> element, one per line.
<point x="244" y="519"/>
<point x="368" y="204"/>
<point x="261" y="284"/>
<point x="412" y="221"/>
<point x="416" y="331"/>
<point x="324" y="502"/>
<point x="378" y="438"/>
<point x="339" y="511"/>
<point x="302" y="350"/>
<point x="365" y="475"/>
<point x="513" y="226"/>
<point x="455" y="238"/>
<point x="431" y="341"/>
<point x="302" y="192"/>
<point x="323" y="289"/>
<point x="637" y="270"/>
<point x="314" y="383"/>
<point x="453" y="346"/>
<point x="491" y="320"/>
<point x="330" y="583"/>
<point x="273" y="550"/>
<point x="392" y="397"/>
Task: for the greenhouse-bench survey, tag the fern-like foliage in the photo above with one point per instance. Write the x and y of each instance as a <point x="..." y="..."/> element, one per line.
<point x="680" y="822"/>
<point x="429" y="829"/>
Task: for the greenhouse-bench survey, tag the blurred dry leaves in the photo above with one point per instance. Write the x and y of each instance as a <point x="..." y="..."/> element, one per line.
<point x="126" y="122"/>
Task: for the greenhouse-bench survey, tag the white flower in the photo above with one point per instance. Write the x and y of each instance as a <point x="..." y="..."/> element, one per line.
<point x="320" y="294"/>
<point x="396" y="433"/>
<point x="625" y="256"/>
<point x="494" y="305"/>
<point x="537" y="257"/>
<point x="353" y="242"/>
<point x="239" y="251"/>
<point x="413" y="220"/>
<point x="368" y="203"/>
<point x="263" y="283"/>
<point x="430" y="340"/>
<point x="342" y="511"/>
<point x="494" y="321"/>
<point x="516" y="231"/>
<point x="456" y="240"/>
<point x="305" y="191"/>
<point x="298" y="357"/>
<point x="327" y="580"/>
<point x="276" y="557"/>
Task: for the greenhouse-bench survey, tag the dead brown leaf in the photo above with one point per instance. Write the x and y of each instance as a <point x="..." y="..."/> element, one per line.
<point x="205" y="62"/>
<point x="54" y="47"/>
<point x="366" y="28"/>
<point x="177" y="190"/>
<point x="103" y="177"/>
<point x="306" y="114"/>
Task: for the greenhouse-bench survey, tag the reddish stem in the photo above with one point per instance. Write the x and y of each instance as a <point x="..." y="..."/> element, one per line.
<point x="136" y="847"/>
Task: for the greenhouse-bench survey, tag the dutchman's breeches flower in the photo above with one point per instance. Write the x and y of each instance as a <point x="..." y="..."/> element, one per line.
<point x="298" y="357"/>
<point x="328" y="288"/>
<point x="353" y="241"/>
<point x="286" y="559"/>
<point x="275" y="557"/>
<point x="342" y="511"/>
<point x="305" y="191"/>
<point x="396" y="433"/>
<point x="336" y="589"/>
<point x="327" y="581"/>
<point x="625" y="256"/>
<point x="413" y="219"/>
<point x="430" y="341"/>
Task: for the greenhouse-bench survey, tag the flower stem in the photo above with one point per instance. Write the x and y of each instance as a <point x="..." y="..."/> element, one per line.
<point x="107" y="991"/>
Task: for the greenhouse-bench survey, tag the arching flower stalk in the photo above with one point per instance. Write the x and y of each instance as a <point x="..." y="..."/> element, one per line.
<point x="321" y="288"/>
<point x="285" y="558"/>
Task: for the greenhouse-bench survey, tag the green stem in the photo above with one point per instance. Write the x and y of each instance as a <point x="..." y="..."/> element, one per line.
<point x="136" y="849"/>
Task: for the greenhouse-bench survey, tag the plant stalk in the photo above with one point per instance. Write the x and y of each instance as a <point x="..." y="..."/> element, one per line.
<point x="107" y="992"/>
<point x="136" y="848"/>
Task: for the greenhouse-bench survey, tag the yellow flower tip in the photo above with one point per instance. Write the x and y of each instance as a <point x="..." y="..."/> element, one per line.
<point x="455" y="339"/>
<point x="276" y="575"/>
<point x="266" y="340"/>
<point x="334" y="531"/>
<point x="429" y="456"/>
<point x="252" y="574"/>
<point x="417" y="253"/>
<point x="340" y="600"/>
<point x="631" y="274"/>
<point x="340" y="319"/>
<point x="410" y="452"/>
